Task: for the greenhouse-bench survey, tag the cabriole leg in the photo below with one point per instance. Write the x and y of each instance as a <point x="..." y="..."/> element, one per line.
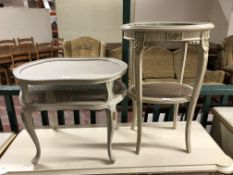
<point x="175" y="114"/>
<point x="111" y="125"/>
<point x="201" y="68"/>
<point x="29" y="126"/>
<point x="134" y="117"/>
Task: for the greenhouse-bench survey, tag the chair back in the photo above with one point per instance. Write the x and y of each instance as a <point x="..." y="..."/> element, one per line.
<point x="115" y="53"/>
<point x="6" y="47"/>
<point x="7" y="42"/>
<point x="58" y="47"/>
<point x="26" y="41"/>
<point x="20" y="55"/>
<point x="190" y="65"/>
<point x="211" y="77"/>
<point x="158" y="63"/>
<point x="228" y="51"/>
<point x="85" y="47"/>
<point x="44" y="50"/>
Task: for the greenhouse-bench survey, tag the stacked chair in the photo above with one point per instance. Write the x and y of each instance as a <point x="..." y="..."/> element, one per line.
<point x="14" y="53"/>
<point x="6" y="48"/>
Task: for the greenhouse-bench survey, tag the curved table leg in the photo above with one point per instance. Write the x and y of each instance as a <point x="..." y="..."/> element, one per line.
<point x="190" y="112"/>
<point x="201" y="67"/>
<point x="28" y="123"/>
<point x="138" y="88"/>
<point x="139" y="126"/>
<point x="175" y="114"/>
<point x="111" y="122"/>
<point x="134" y="118"/>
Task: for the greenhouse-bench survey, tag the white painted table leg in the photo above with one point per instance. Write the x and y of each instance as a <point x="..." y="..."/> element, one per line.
<point x="138" y="89"/>
<point x="138" y="108"/>
<point x="111" y="122"/>
<point x="201" y="68"/>
<point x="176" y="109"/>
<point x="54" y="122"/>
<point x="28" y="123"/>
<point x="134" y="117"/>
<point x="180" y="79"/>
<point x="132" y="83"/>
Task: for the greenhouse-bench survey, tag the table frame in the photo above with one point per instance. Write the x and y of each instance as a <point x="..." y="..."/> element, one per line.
<point x="110" y="104"/>
<point x="182" y="32"/>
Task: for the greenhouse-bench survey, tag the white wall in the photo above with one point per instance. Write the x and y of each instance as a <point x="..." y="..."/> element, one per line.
<point x="216" y="11"/>
<point x="230" y="29"/>
<point x="24" y="22"/>
<point x="170" y="10"/>
<point x="220" y="16"/>
<point x="100" y="19"/>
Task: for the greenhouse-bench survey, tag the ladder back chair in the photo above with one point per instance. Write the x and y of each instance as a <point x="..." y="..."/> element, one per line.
<point x="4" y="76"/>
<point x="20" y="55"/>
<point x="58" y="46"/>
<point x="8" y="42"/>
<point x="5" y="49"/>
<point x="30" y="43"/>
<point x="26" y="41"/>
<point x="44" y="50"/>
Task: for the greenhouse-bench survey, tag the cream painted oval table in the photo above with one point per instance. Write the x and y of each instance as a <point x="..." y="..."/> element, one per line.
<point x="70" y="83"/>
<point x="184" y="33"/>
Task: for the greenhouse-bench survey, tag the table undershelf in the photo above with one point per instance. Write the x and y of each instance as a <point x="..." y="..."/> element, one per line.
<point x="164" y="93"/>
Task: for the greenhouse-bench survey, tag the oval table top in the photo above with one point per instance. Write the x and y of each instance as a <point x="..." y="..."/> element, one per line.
<point x="92" y="70"/>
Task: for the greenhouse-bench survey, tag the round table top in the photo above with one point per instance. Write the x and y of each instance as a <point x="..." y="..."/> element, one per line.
<point x="93" y="70"/>
<point x="167" y="31"/>
<point x="168" y="26"/>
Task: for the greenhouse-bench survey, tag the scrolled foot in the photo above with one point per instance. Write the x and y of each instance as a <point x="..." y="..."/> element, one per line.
<point x="111" y="125"/>
<point x="35" y="160"/>
<point x="112" y="158"/>
<point x="188" y="150"/>
<point x="137" y="149"/>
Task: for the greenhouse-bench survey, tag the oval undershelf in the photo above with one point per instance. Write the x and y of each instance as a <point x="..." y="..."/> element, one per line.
<point x="163" y="93"/>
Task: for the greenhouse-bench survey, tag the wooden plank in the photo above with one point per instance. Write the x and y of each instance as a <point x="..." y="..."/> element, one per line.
<point x="79" y="151"/>
<point x="5" y="141"/>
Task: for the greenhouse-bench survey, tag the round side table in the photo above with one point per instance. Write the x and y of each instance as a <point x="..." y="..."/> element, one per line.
<point x="166" y="93"/>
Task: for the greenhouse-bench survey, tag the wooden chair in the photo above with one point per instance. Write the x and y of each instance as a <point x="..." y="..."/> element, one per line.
<point x="20" y="55"/>
<point x="5" y="46"/>
<point x="44" y="50"/>
<point x="26" y="41"/>
<point x="8" y="42"/>
<point x="58" y="45"/>
<point x="211" y="76"/>
<point x="115" y="53"/>
<point x="4" y="76"/>
<point x="84" y="47"/>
